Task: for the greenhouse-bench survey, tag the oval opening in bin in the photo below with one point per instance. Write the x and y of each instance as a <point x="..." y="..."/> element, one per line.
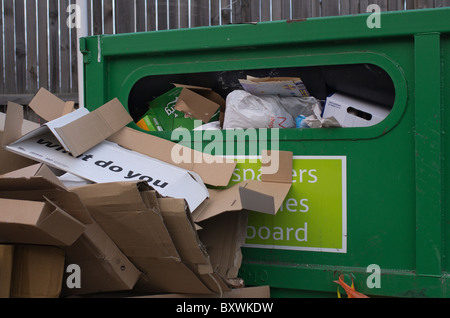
<point x="367" y="83"/>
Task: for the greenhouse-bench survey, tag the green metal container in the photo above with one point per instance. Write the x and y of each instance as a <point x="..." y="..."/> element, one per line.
<point x="369" y="203"/>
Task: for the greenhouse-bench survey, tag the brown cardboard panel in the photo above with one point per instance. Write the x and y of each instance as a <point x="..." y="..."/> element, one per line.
<point x="84" y="133"/>
<point x="145" y="229"/>
<point x="196" y="106"/>
<point x="284" y="172"/>
<point x="32" y="222"/>
<point x="104" y="268"/>
<point x="258" y="196"/>
<point x="223" y="237"/>
<point x="38" y="183"/>
<point x="6" y="267"/>
<point x="48" y="106"/>
<point x="137" y="229"/>
<point x="253" y="195"/>
<point x="38" y="271"/>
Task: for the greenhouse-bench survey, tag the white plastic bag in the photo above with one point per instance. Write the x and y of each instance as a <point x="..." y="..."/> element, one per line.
<point x="297" y="106"/>
<point x="316" y="120"/>
<point x="244" y="110"/>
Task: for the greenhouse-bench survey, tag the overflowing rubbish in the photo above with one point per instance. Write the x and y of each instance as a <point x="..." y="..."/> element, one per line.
<point x="109" y="214"/>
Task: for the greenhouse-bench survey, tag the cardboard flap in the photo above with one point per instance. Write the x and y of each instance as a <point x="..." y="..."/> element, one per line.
<point x="61" y="226"/>
<point x="38" y="272"/>
<point x="252" y="195"/>
<point x="192" y="87"/>
<point x="84" y="133"/>
<point x="138" y="230"/>
<point x="38" y="170"/>
<point x="13" y="123"/>
<point x="196" y="106"/>
<point x="183" y="233"/>
<point x="48" y="106"/>
<point x="38" y="181"/>
<point x="276" y="166"/>
<point x="104" y="267"/>
<point x="265" y="196"/>
<point x="30" y="222"/>
<point x="255" y="201"/>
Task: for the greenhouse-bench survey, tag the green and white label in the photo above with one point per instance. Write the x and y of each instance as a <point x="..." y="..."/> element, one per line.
<point x="313" y="215"/>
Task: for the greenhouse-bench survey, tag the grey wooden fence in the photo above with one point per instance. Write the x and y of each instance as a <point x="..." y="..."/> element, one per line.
<point x="39" y="49"/>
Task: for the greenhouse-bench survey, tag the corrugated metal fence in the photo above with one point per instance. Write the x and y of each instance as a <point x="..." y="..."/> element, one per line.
<point x="39" y="49"/>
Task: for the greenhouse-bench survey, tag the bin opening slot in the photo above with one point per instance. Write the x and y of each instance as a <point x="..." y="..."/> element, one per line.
<point x="363" y="81"/>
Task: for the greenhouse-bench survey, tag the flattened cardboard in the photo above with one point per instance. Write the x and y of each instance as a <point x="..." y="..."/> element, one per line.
<point x="11" y="161"/>
<point x="130" y="217"/>
<point x="223" y="236"/>
<point x="183" y="233"/>
<point x="38" y="271"/>
<point x="48" y="106"/>
<point x="104" y="268"/>
<point x="107" y="161"/>
<point x="86" y="132"/>
<point x="259" y="196"/>
<point x="171" y="257"/>
<point x="6" y="267"/>
<point x="212" y="170"/>
<point x="32" y="222"/>
<point x="226" y="232"/>
<point x="80" y="130"/>
<point x="38" y="183"/>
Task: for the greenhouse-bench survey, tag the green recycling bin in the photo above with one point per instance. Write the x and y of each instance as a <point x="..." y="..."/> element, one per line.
<point x="367" y="204"/>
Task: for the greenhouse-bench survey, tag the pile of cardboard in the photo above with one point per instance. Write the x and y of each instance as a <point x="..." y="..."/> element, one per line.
<point x="130" y="219"/>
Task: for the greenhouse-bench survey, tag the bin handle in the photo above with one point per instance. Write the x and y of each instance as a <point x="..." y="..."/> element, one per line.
<point x="350" y="290"/>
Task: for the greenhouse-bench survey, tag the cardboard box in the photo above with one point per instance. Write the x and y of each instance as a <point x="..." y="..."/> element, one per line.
<point x="38" y="271"/>
<point x="6" y="266"/>
<point x="282" y="86"/>
<point x="150" y="122"/>
<point x="57" y="143"/>
<point x="180" y="106"/>
<point x="353" y="112"/>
